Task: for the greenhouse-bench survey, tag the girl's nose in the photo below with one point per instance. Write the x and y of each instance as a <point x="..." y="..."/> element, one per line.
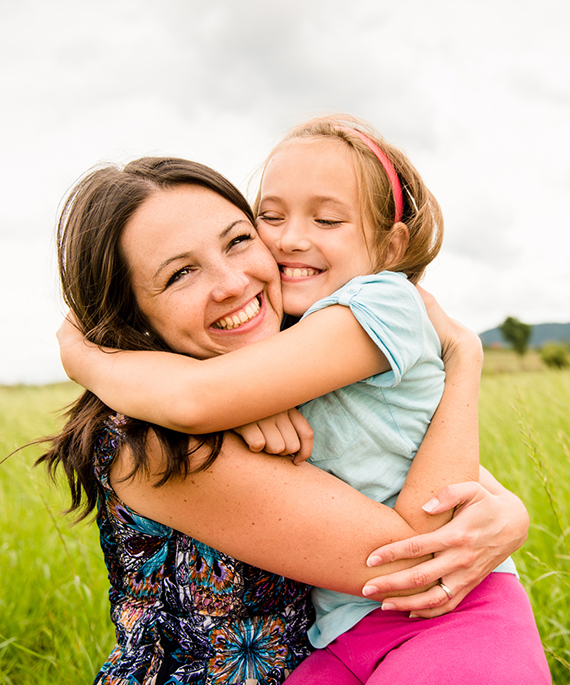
<point x="293" y="237"/>
<point x="229" y="281"/>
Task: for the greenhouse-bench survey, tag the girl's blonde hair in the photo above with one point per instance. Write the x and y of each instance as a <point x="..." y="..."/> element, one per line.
<point x="421" y="212"/>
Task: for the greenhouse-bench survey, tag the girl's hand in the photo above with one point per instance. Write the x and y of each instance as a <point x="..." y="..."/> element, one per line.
<point x="488" y="525"/>
<point x="286" y="433"/>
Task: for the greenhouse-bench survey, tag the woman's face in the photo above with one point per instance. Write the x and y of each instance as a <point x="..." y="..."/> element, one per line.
<point x="200" y="273"/>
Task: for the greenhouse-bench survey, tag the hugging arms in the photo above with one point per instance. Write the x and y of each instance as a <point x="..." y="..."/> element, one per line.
<point x="488" y="525"/>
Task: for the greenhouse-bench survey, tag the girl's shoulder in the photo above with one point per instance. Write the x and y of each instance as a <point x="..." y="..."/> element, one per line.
<point x="383" y="291"/>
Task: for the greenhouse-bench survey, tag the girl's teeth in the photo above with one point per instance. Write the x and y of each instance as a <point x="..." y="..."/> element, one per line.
<point x="298" y="273"/>
<point x="230" y="322"/>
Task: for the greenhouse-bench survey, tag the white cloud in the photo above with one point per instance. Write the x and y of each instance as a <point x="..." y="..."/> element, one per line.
<point x="477" y="92"/>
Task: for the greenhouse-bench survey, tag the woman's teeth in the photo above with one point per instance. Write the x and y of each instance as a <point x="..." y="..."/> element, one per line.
<point x="298" y="273"/>
<point x="235" y="320"/>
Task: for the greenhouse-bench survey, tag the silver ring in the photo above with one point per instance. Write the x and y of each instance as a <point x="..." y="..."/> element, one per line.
<point x="445" y="589"/>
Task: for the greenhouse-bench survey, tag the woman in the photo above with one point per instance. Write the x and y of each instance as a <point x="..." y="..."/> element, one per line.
<point x="183" y="611"/>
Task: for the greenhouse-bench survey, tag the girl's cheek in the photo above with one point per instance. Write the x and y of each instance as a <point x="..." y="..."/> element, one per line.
<point x="268" y="242"/>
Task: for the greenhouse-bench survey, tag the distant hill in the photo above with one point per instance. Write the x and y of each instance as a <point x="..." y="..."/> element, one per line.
<point x="541" y="333"/>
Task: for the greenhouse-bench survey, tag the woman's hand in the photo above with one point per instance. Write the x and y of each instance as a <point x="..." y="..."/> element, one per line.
<point x="489" y="524"/>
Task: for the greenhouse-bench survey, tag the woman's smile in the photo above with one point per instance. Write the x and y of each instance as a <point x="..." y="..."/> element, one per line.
<point x="201" y="275"/>
<point x="238" y="318"/>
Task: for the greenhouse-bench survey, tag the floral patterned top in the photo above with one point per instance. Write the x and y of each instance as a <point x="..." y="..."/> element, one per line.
<point x="184" y="612"/>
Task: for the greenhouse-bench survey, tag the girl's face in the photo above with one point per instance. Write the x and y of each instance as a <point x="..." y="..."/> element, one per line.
<point x="200" y="273"/>
<point x="309" y="217"/>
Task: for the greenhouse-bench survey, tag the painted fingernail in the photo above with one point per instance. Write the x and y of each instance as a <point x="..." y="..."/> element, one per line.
<point x="386" y="606"/>
<point x="374" y="560"/>
<point x="430" y="506"/>
<point x="369" y="590"/>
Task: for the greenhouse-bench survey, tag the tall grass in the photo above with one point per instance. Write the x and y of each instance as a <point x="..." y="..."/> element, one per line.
<point x="525" y="441"/>
<point x="54" y="625"/>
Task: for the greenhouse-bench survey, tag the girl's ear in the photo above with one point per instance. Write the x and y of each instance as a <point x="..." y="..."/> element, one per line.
<point x="397" y="244"/>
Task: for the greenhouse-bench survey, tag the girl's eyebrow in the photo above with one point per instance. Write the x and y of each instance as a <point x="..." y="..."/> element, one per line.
<point x="188" y="254"/>
<point x="329" y="199"/>
<point x="317" y="199"/>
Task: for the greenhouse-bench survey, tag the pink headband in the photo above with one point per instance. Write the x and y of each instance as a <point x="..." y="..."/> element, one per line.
<point x="388" y="168"/>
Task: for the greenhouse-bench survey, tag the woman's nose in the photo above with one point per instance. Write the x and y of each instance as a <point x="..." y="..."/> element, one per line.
<point x="229" y="281"/>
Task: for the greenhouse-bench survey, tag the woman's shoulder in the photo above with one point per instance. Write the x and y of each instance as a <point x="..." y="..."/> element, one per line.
<point x="111" y="438"/>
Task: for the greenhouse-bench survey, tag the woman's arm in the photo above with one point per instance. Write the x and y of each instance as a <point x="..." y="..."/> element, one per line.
<point x="449" y="452"/>
<point x="489" y="524"/>
<point x="296" y="521"/>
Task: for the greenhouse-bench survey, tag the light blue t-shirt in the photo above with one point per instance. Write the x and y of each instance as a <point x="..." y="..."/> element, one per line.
<point x="367" y="433"/>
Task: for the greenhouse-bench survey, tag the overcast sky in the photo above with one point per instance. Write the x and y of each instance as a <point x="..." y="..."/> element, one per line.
<point x="477" y="92"/>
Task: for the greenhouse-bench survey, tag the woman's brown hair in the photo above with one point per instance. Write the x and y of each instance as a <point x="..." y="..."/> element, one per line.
<point x="96" y="287"/>
<point x="421" y="215"/>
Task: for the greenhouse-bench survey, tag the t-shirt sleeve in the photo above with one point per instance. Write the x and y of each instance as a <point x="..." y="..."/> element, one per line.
<point x="391" y="312"/>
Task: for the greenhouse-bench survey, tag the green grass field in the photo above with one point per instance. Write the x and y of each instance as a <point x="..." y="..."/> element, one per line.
<point x="54" y="625"/>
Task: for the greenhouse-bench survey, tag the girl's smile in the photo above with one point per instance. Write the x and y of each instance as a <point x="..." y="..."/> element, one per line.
<point x="310" y="219"/>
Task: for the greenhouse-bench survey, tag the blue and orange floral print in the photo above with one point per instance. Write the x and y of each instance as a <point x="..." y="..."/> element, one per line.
<point x="184" y="612"/>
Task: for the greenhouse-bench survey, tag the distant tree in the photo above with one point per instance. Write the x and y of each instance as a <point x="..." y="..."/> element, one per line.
<point x="517" y="333"/>
<point x="556" y="355"/>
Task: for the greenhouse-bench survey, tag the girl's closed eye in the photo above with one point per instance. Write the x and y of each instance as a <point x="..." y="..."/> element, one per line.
<point x="329" y="222"/>
<point x="269" y="218"/>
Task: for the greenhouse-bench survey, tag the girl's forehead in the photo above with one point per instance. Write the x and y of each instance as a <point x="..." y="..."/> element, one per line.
<point x="311" y="159"/>
<point x="315" y="170"/>
<point x="309" y="144"/>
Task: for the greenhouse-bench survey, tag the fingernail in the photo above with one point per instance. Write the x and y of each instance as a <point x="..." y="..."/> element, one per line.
<point x="369" y="590"/>
<point x="429" y="507"/>
<point x="386" y="606"/>
<point x="374" y="560"/>
<point x="413" y="615"/>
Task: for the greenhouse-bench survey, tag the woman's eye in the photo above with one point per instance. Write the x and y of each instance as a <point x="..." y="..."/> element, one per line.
<point x="245" y="237"/>
<point x="178" y="275"/>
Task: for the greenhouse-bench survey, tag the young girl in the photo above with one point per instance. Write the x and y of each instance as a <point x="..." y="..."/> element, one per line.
<point x="350" y="223"/>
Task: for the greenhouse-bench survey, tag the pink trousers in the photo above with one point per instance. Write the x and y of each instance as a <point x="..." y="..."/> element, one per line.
<point x="489" y="639"/>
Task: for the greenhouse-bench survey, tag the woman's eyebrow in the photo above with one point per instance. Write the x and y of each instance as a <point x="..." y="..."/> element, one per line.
<point x="225" y="232"/>
<point x="188" y="254"/>
<point x="175" y="258"/>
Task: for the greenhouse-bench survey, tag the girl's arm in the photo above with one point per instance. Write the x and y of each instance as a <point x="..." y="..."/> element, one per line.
<point x="304" y="363"/>
<point x="202" y="396"/>
<point x="296" y="521"/>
